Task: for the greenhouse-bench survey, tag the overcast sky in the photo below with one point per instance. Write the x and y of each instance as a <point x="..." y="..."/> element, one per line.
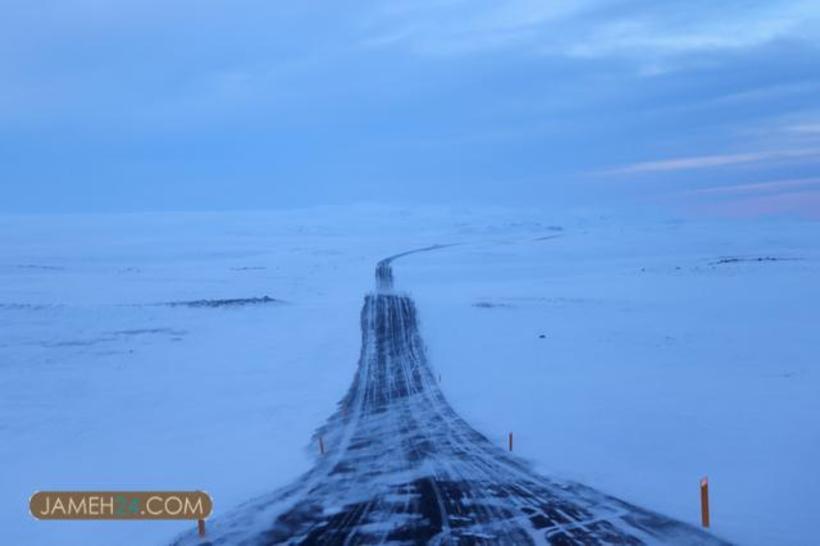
<point x="129" y="105"/>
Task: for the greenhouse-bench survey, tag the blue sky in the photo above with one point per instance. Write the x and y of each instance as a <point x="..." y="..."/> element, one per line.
<point x="700" y="106"/>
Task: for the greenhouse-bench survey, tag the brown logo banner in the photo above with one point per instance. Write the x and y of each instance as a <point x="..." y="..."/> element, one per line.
<point x="120" y="505"/>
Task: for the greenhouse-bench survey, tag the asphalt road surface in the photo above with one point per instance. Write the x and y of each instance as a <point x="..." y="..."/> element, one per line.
<point x="401" y="467"/>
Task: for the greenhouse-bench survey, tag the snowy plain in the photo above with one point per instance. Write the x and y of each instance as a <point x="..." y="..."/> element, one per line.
<point x="631" y="355"/>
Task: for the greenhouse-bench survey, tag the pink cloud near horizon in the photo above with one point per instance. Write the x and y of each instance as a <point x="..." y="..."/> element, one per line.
<point x="712" y="161"/>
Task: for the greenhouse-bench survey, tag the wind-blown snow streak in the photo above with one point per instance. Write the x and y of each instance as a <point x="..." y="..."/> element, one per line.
<point x="402" y="467"/>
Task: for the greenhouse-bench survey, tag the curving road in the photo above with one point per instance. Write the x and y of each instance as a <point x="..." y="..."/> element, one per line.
<point x="401" y="467"/>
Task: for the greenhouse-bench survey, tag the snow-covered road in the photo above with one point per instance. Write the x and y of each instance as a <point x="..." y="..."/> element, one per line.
<point x="400" y="466"/>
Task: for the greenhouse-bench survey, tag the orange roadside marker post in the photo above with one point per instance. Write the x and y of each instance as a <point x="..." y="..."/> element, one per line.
<point x="704" y="501"/>
<point x="200" y="525"/>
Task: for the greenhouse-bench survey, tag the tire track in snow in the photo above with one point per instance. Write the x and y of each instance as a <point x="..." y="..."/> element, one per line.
<point x="401" y="467"/>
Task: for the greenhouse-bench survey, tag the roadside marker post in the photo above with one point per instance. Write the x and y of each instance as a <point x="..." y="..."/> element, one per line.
<point x="704" y="501"/>
<point x="321" y="446"/>
<point x="200" y="525"/>
<point x="511" y="441"/>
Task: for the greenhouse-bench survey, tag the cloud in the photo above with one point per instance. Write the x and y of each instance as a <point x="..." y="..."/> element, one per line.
<point x="805" y="204"/>
<point x="805" y="128"/>
<point x="523" y="98"/>
<point x="760" y="187"/>
<point x="713" y="161"/>
<point x="797" y="197"/>
<point x="637" y="29"/>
